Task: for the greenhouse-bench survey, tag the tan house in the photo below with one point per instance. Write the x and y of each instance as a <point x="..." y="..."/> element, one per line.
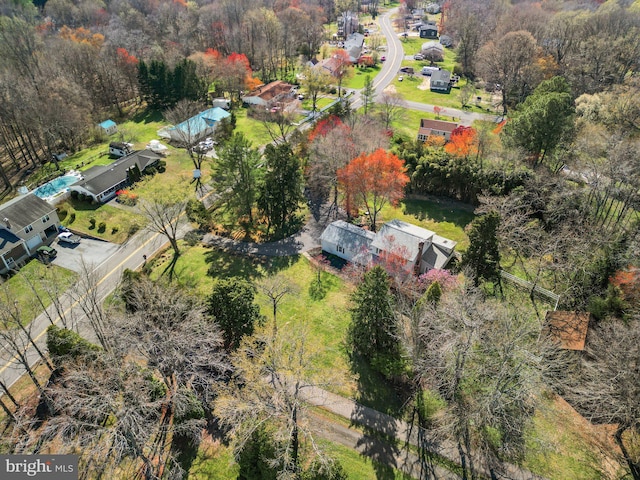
<point x="438" y="128"/>
<point x="26" y="223"/>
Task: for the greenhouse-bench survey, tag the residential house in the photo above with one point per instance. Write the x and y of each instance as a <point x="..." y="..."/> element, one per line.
<point x="347" y="241"/>
<point x="441" y="81"/>
<point x="354" y="45"/>
<point x="417" y="248"/>
<point x="331" y="65"/>
<point x="568" y="329"/>
<point x="270" y="94"/>
<point x="428" y="30"/>
<point x="438" y="128"/>
<point x="101" y="183"/>
<point x="347" y="23"/>
<point x="119" y="149"/>
<point x="433" y="8"/>
<point x="433" y="51"/>
<point x="108" y="126"/>
<point x="197" y="127"/>
<point x="26" y="223"/>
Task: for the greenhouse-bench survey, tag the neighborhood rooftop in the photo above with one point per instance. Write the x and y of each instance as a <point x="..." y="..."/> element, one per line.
<point x="21" y="211"/>
<point x="271" y="90"/>
<point x="202" y="121"/>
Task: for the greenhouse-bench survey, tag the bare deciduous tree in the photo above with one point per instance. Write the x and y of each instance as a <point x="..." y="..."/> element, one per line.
<point x="272" y="372"/>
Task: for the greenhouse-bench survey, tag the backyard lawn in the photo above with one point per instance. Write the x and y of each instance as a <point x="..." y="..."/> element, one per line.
<point x="252" y="129"/>
<point x="409" y="123"/>
<point x="45" y="279"/>
<point x="443" y="216"/>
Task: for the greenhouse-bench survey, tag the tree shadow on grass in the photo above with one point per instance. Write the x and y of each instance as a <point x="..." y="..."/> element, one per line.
<point x="378" y="402"/>
<point x="225" y="264"/>
<point x="439" y="210"/>
<point x="148" y="116"/>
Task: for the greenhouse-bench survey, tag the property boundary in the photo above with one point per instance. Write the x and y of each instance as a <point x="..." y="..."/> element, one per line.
<point x="536" y="288"/>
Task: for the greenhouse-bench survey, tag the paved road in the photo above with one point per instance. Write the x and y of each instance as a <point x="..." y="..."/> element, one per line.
<point x="390" y="68"/>
<point x="108" y="273"/>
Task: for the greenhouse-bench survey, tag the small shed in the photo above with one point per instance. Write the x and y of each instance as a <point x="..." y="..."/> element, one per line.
<point x="108" y="126"/>
<point x="569" y="329"/>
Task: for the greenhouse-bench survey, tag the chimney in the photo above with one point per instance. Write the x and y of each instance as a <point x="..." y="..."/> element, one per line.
<point x="8" y="224"/>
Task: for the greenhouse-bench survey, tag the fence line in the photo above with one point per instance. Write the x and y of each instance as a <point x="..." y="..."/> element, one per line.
<point x="530" y="285"/>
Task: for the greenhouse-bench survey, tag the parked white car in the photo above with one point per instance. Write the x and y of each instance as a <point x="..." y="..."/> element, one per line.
<point x="68" y="237"/>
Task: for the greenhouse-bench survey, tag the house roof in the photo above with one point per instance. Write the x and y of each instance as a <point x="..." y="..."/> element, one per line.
<point x="435" y="256"/>
<point x="200" y="122"/>
<point x="98" y="179"/>
<point x="441" y="76"/>
<point x="427" y="126"/>
<point x="401" y="238"/>
<point x="568" y="328"/>
<point x="353" y="45"/>
<point x="24" y="210"/>
<point x="271" y="90"/>
<point x="107" y="124"/>
<point x="348" y="235"/>
<point x="8" y="240"/>
<point x="433" y="45"/>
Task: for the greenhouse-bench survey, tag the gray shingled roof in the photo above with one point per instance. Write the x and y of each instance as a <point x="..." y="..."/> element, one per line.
<point x="24" y="210"/>
<point x="8" y="240"/>
<point x="402" y="238"/>
<point x="99" y="179"/>
<point x="350" y="236"/>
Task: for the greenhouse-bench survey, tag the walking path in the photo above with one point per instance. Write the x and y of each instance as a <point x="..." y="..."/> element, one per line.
<point x="375" y="421"/>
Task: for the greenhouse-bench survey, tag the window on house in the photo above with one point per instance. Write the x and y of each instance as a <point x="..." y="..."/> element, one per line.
<point x="340" y="249"/>
<point x="28" y="228"/>
<point x="45" y="219"/>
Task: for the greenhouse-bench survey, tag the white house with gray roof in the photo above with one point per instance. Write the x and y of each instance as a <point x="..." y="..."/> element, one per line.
<point x="26" y="223"/>
<point x="419" y="248"/>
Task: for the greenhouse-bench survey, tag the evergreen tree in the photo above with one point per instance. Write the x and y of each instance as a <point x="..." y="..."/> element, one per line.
<point x="368" y="94"/>
<point x="281" y="190"/>
<point x="373" y="330"/>
<point x="236" y="173"/>
<point x="483" y="254"/>
<point x="232" y="305"/>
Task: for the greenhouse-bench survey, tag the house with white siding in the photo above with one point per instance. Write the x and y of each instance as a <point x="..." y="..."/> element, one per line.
<point x="26" y="223"/>
<point x="418" y="249"/>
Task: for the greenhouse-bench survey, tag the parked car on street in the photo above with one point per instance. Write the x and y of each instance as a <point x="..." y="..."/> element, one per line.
<point x="383" y="58"/>
<point x="418" y="56"/>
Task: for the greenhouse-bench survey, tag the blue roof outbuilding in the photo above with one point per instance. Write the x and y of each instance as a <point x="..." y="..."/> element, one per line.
<point x="107" y="124"/>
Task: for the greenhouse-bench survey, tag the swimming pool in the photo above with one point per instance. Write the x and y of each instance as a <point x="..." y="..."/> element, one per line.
<point x="55" y="186"/>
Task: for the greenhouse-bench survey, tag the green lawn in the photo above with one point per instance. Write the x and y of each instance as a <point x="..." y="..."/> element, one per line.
<point x="215" y="461"/>
<point x="326" y="319"/>
<point x="253" y="129"/>
<point x="35" y="275"/>
<point x="356" y="81"/>
<point x="119" y="222"/>
<point x="445" y="217"/>
<point x="409" y="124"/>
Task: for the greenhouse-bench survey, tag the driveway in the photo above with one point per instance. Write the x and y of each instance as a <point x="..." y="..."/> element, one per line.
<point x="88" y="251"/>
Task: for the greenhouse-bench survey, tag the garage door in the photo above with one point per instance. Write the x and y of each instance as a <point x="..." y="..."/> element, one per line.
<point x="33" y="242"/>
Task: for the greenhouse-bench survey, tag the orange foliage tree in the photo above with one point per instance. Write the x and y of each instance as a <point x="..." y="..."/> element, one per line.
<point x="463" y="142"/>
<point x="628" y="281"/>
<point x="373" y="180"/>
<point x="82" y="35"/>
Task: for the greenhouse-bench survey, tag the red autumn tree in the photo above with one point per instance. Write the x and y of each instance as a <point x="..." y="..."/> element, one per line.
<point x="326" y="125"/>
<point x="463" y="142"/>
<point x="372" y="181"/>
<point x="234" y="74"/>
<point x="124" y="57"/>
